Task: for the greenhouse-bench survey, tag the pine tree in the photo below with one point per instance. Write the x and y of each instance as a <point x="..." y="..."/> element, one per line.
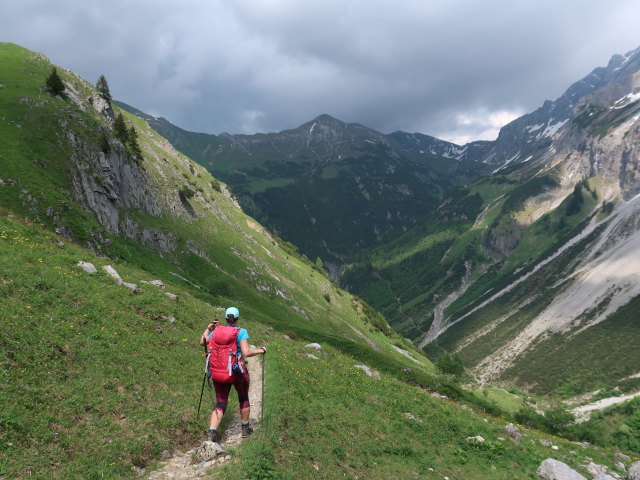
<point x="134" y="146"/>
<point x="103" y="88"/>
<point x="120" y="129"/>
<point x="54" y="83"/>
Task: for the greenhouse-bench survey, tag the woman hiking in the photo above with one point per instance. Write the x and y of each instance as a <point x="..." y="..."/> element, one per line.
<point x="238" y="374"/>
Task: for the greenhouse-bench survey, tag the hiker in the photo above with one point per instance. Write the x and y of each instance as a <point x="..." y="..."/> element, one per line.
<point x="240" y="380"/>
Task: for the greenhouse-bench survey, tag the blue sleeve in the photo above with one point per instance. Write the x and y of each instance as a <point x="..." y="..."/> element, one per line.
<point x="243" y="335"/>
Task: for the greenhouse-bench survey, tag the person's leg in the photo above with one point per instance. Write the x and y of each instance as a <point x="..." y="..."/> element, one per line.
<point x="242" y="387"/>
<point x="222" y="395"/>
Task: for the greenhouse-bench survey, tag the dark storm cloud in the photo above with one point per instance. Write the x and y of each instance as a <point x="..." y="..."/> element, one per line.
<point x="456" y="69"/>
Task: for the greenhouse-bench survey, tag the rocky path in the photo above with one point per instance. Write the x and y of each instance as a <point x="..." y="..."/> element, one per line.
<point x="185" y="465"/>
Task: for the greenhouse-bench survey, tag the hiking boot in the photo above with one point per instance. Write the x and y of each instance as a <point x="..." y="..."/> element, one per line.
<point x="246" y="430"/>
<point x="213" y="436"/>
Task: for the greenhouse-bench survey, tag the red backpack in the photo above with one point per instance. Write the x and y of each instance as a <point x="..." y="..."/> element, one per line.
<point x="222" y="357"/>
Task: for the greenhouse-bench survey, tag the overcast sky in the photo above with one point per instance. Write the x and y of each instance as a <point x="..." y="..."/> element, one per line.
<point x="454" y="69"/>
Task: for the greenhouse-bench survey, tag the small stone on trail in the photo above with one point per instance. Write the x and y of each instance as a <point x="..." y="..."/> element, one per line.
<point x="208" y="451"/>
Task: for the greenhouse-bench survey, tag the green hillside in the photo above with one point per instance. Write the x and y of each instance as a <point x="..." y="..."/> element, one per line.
<point x="97" y="380"/>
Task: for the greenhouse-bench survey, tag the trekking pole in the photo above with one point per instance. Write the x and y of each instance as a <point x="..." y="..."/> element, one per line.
<point x="204" y="379"/>
<point x="263" y="382"/>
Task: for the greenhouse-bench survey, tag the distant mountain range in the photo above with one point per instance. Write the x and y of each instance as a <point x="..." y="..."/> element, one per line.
<point x="329" y="187"/>
<point x="519" y="254"/>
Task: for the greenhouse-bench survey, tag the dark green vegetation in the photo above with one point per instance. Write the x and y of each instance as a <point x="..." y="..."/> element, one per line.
<point x="328" y="187"/>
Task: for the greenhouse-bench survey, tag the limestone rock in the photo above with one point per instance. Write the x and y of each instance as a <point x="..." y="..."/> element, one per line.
<point x="112" y="273"/>
<point x="172" y="296"/>
<point x="477" y="438"/>
<point x="623" y="457"/>
<point x="314" y="345"/>
<point x="89" y="268"/>
<point x="513" y="432"/>
<point x="131" y="286"/>
<point x="208" y="451"/>
<point x="169" y="318"/>
<point x="595" y="469"/>
<point x="634" y="471"/>
<point x="368" y="371"/>
<point x="604" y="476"/>
<point x="551" y="469"/>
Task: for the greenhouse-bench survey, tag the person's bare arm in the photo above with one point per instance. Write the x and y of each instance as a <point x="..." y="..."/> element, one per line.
<point x="248" y="352"/>
<point x="205" y="335"/>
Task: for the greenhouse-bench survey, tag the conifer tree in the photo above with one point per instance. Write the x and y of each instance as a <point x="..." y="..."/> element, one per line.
<point x="134" y="146"/>
<point x="103" y="88"/>
<point x="120" y="128"/>
<point x="54" y="83"/>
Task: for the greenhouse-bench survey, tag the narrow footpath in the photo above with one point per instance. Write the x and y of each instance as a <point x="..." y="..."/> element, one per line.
<point x="182" y="466"/>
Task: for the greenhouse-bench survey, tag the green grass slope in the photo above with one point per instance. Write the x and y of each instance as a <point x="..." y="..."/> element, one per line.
<point x="97" y="380"/>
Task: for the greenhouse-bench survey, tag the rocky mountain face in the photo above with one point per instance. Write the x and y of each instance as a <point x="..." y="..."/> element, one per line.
<point x="549" y="266"/>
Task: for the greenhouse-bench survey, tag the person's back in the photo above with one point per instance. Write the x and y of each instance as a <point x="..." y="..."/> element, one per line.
<point x="225" y="376"/>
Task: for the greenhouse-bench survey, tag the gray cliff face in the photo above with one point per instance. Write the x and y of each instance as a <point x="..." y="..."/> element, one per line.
<point x="107" y="183"/>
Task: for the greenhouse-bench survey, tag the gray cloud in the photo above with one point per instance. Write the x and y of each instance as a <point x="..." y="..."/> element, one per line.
<point x="453" y="69"/>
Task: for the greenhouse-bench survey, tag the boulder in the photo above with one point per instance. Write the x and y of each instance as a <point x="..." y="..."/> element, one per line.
<point x="208" y="451"/>
<point x="551" y="469"/>
<point x="477" y="438"/>
<point x="172" y="296"/>
<point x="112" y="273"/>
<point x="314" y="345"/>
<point x="89" y="268"/>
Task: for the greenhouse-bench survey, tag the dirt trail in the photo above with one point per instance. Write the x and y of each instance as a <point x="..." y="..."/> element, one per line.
<point x="181" y="465"/>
